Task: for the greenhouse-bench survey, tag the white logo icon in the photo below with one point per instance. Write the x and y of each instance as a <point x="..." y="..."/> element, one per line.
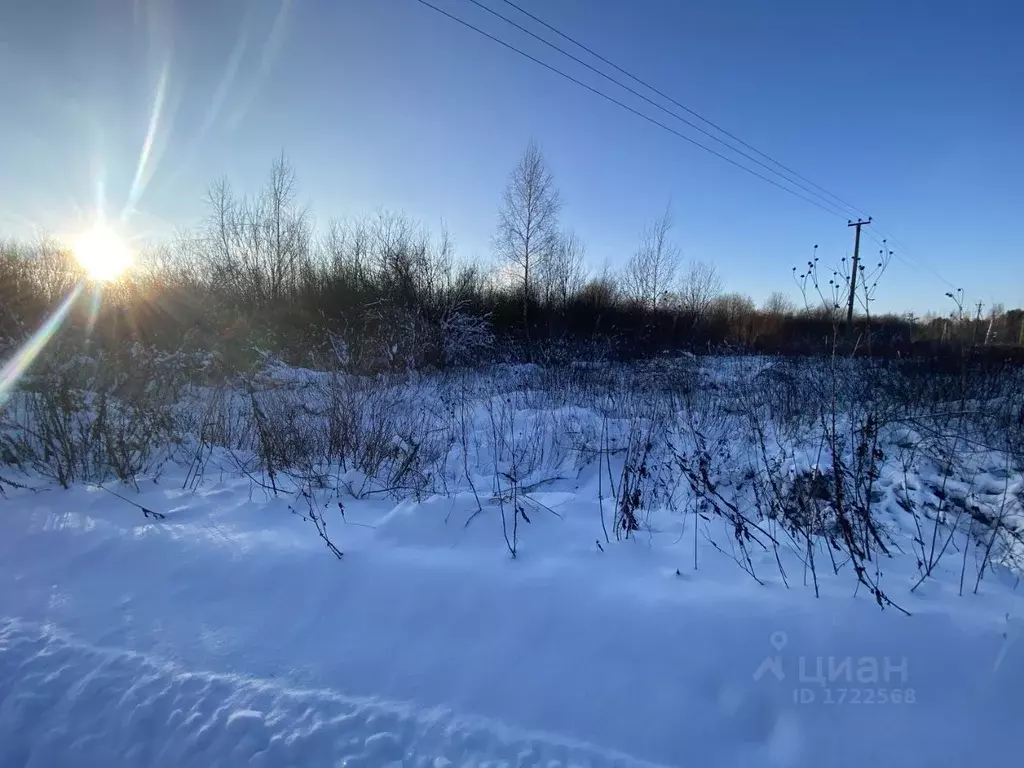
<point x="773" y="664"/>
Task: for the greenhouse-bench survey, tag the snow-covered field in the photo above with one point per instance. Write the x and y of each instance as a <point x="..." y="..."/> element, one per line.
<point x="226" y="633"/>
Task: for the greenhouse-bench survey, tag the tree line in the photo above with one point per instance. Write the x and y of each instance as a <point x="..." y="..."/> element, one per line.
<point x="383" y="293"/>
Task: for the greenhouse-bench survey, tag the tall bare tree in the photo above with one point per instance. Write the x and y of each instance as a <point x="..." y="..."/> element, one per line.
<point x="651" y="271"/>
<point x="259" y="247"/>
<point x="286" y="228"/>
<point x="528" y="224"/>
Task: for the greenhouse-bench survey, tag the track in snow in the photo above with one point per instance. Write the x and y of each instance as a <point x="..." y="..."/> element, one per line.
<point x="67" y="703"/>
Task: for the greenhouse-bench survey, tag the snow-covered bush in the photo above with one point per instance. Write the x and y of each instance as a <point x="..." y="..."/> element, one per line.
<point x="90" y="418"/>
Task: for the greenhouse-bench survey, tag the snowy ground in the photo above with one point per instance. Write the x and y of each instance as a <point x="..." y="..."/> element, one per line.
<point x="227" y="634"/>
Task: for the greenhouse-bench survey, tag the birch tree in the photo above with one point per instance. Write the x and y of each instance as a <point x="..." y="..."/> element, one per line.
<point x="651" y="271"/>
<point x="527" y="230"/>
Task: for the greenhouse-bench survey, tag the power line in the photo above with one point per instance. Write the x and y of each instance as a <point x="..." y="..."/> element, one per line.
<point x="683" y="107"/>
<point x="892" y="246"/>
<point x="807" y="187"/>
<point x="860" y="213"/>
<point x="833" y="211"/>
<point x="832" y="208"/>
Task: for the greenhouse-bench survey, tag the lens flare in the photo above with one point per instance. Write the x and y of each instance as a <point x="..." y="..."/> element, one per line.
<point x="22" y="359"/>
<point x="143" y="170"/>
<point x="102" y="253"/>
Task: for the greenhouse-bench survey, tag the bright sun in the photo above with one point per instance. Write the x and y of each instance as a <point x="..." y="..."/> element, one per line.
<point x="102" y="253"/>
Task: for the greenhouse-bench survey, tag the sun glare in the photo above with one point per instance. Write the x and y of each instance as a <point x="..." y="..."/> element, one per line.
<point x="102" y="253"/>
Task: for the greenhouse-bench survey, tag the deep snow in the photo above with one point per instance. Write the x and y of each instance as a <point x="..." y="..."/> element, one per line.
<point x="226" y="634"/>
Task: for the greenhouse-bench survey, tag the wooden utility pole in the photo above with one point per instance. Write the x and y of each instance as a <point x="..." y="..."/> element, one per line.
<point x="853" y="275"/>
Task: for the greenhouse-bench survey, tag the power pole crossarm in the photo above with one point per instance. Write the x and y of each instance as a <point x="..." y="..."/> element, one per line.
<point x="853" y="275"/>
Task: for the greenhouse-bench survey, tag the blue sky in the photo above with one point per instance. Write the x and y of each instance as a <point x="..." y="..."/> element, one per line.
<point x="912" y="111"/>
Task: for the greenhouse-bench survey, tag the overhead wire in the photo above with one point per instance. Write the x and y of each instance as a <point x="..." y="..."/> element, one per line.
<point x="907" y="256"/>
<point x="833" y="210"/>
<point x="899" y="252"/>
<point x="806" y="186"/>
<point x="678" y="104"/>
<point x="841" y="208"/>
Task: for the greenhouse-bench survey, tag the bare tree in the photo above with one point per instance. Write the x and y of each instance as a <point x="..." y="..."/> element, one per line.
<point x="562" y="273"/>
<point x="528" y="223"/>
<point x="287" y="230"/>
<point x="736" y="311"/>
<point x="221" y="218"/>
<point x="651" y="271"/>
<point x="699" y="288"/>
<point x="779" y="304"/>
<point x="401" y="257"/>
<point x="260" y="246"/>
<point x="772" y="318"/>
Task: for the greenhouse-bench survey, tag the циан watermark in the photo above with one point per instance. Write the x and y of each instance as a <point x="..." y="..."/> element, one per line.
<point x="839" y="680"/>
